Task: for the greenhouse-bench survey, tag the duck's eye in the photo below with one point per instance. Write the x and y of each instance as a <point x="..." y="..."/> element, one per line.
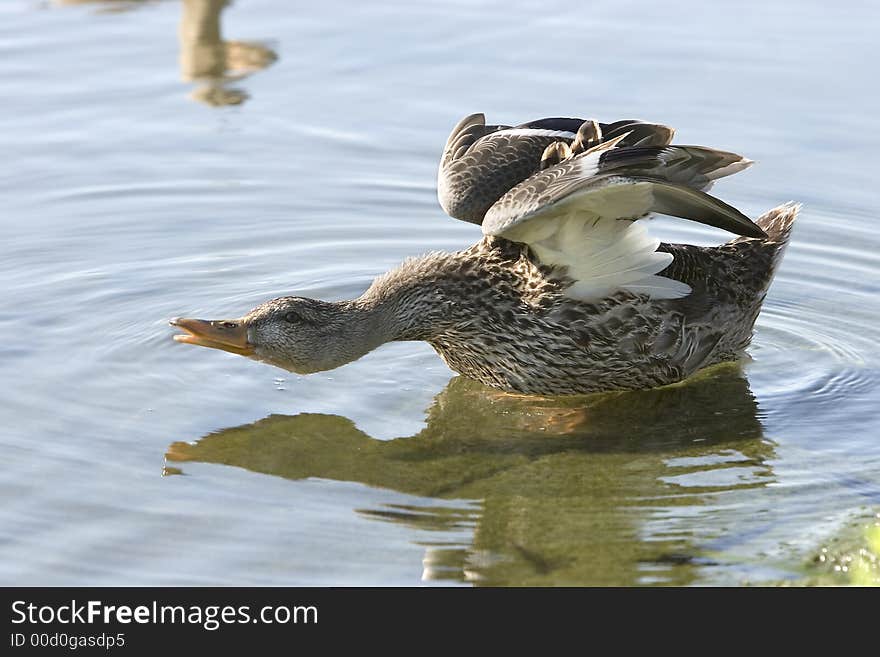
<point x="292" y="317"/>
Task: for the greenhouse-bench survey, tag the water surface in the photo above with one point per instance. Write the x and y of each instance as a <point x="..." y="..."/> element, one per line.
<point x="198" y="157"/>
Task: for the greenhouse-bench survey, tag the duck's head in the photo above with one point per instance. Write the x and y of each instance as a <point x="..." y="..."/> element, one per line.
<point x="295" y="333"/>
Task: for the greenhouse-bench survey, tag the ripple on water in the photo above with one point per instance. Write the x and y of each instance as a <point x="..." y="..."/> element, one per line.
<point x="812" y="356"/>
<point x="129" y="203"/>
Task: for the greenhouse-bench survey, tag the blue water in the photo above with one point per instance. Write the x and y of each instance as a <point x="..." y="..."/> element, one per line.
<point x="196" y="158"/>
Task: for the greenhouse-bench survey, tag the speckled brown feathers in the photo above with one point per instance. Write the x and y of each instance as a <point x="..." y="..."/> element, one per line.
<point x="494" y="314"/>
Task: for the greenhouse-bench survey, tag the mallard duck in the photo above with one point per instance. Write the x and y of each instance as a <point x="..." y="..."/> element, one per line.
<point x="566" y="292"/>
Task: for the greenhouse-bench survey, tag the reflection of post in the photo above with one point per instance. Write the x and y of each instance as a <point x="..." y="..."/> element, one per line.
<point x="206" y="58"/>
<point x="530" y="490"/>
<point x="202" y="53"/>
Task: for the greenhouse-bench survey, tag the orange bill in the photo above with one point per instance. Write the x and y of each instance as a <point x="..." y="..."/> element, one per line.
<point x="226" y="334"/>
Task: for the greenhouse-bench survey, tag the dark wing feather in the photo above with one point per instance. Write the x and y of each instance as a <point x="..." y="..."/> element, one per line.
<point x="666" y="180"/>
<point x="638" y="133"/>
<point x="562" y="124"/>
<point x="540" y="191"/>
<point x="680" y="201"/>
<point x="641" y="133"/>
<point x="465" y="134"/>
<point x="693" y="166"/>
<point x="480" y="162"/>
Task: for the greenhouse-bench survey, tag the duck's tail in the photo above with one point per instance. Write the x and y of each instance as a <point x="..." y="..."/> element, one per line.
<point x="757" y="259"/>
<point x="777" y="223"/>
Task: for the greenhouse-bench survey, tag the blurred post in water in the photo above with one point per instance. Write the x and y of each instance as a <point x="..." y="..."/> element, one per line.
<point x="211" y="62"/>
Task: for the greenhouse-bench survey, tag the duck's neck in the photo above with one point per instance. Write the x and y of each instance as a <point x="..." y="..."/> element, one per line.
<point x="415" y="301"/>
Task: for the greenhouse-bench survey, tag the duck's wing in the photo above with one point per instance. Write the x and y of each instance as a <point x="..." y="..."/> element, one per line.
<point x="637" y="133"/>
<point x="581" y="214"/>
<point x="480" y="162"/>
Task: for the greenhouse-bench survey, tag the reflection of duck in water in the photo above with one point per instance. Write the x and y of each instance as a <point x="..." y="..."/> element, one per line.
<point x="562" y="490"/>
<point x="206" y="58"/>
<point x="566" y="293"/>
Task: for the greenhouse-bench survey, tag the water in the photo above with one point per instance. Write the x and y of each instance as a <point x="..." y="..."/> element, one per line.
<point x="150" y="171"/>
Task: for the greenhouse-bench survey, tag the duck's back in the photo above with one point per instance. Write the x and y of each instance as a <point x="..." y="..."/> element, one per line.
<point x="523" y="334"/>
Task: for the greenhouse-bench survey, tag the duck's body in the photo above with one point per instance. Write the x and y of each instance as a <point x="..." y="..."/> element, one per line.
<point x="566" y="293"/>
<point x="496" y="315"/>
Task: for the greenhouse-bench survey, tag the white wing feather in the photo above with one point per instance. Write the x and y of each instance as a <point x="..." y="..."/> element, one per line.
<point x="604" y="250"/>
